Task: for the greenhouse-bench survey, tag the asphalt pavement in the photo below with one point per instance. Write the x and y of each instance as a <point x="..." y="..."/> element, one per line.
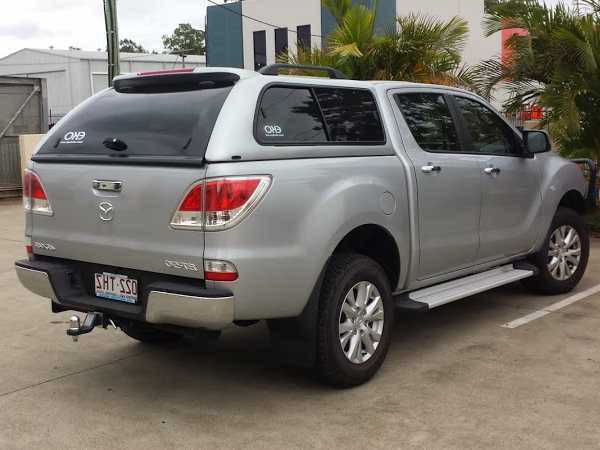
<point x="454" y="378"/>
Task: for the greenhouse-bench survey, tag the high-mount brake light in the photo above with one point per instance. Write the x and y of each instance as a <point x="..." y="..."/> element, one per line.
<point x="219" y="203"/>
<point x="34" y="196"/>
<point x="165" y="72"/>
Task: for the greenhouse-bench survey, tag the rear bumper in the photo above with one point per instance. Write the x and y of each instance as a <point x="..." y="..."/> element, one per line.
<point x="165" y="302"/>
<point x="36" y="281"/>
<point x="212" y="313"/>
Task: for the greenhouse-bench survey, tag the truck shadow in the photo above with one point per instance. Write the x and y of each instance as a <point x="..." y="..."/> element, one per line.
<point x="243" y="359"/>
<point x="431" y="350"/>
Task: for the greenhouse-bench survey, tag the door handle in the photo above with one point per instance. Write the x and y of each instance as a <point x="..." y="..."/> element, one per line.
<point x="492" y="170"/>
<point x="429" y="168"/>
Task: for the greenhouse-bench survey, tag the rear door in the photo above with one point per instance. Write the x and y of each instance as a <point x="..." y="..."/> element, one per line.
<point x="448" y="184"/>
<point x="117" y="167"/>
<point x="510" y="182"/>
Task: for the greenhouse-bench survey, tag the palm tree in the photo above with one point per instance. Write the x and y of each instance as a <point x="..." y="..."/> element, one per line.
<point x="556" y="65"/>
<point x="420" y="48"/>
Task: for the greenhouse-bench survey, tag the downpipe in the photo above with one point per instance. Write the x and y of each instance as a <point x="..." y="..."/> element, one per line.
<point x="91" y="321"/>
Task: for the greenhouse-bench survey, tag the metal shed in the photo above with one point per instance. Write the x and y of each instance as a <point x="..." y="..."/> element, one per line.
<point x="23" y="110"/>
<point x="74" y="75"/>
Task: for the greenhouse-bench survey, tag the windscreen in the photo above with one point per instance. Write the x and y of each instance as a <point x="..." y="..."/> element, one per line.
<point x="141" y="121"/>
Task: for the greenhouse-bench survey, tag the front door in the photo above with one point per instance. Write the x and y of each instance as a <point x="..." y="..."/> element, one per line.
<point x="511" y="195"/>
<point x="448" y="183"/>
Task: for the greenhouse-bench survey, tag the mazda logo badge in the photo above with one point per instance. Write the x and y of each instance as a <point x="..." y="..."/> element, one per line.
<point x="107" y="211"/>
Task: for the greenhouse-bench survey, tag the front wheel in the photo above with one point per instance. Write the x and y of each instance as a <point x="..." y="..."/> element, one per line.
<point x="563" y="258"/>
<point x="356" y="316"/>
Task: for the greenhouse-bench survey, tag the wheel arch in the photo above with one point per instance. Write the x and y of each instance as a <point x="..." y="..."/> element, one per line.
<point x="376" y="242"/>
<point x="562" y="185"/>
<point x="573" y="200"/>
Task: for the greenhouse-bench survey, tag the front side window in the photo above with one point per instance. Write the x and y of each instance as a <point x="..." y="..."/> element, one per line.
<point x="486" y="132"/>
<point x="289" y="115"/>
<point x="429" y="119"/>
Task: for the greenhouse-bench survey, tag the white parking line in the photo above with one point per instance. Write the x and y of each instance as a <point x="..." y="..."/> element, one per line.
<point x="552" y="308"/>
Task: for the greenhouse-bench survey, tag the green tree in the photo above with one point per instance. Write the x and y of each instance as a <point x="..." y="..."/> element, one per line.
<point x="130" y="46"/>
<point x="556" y="65"/>
<point x="489" y="5"/>
<point x="420" y="49"/>
<point x="185" y="39"/>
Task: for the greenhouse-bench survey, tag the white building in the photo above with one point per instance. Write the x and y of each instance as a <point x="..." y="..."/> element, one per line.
<point x="74" y="75"/>
<point x="251" y="33"/>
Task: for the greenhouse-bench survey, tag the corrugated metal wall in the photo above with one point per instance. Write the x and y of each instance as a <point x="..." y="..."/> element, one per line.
<point x="28" y="115"/>
<point x="10" y="164"/>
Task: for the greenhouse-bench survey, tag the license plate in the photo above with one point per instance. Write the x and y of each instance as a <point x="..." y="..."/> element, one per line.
<point x="116" y="287"/>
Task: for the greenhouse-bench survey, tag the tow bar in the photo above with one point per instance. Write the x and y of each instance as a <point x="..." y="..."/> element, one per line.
<point x="91" y="321"/>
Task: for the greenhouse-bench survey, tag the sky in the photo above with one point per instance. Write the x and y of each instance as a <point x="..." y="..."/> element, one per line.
<point x="80" y="23"/>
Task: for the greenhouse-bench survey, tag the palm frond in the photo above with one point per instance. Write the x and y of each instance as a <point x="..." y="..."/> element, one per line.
<point x="337" y="8"/>
<point x="357" y="28"/>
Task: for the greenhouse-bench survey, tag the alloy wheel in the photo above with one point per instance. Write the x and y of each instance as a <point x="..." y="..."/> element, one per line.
<point x="564" y="252"/>
<point x="361" y="322"/>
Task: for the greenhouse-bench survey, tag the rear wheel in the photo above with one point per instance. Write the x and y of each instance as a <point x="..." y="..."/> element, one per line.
<point x="563" y="258"/>
<point x="356" y="316"/>
<point x="147" y="333"/>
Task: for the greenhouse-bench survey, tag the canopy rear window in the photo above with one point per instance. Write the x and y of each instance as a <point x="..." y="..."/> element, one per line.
<point x="159" y="117"/>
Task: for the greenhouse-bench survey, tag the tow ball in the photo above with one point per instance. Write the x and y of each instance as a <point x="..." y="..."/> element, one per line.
<point x="91" y="321"/>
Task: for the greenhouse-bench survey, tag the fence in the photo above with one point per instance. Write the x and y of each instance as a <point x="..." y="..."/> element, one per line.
<point x="10" y="165"/>
<point x="53" y="118"/>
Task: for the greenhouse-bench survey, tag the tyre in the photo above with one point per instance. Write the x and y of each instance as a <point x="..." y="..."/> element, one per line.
<point x="356" y="316"/>
<point x="147" y="333"/>
<point x="563" y="258"/>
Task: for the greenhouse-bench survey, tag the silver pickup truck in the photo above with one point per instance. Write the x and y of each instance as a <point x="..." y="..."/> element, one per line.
<point x="185" y="201"/>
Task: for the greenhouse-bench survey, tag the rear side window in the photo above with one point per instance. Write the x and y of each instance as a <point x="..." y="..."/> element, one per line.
<point x="290" y="115"/>
<point x="430" y="122"/>
<point x="351" y="115"/>
<point x="306" y="115"/>
<point x="147" y="121"/>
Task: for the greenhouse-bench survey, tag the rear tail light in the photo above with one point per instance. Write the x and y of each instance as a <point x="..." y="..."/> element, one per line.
<point x="219" y="203"/>
<point x="28" y="247"/>
<point x="34" y="196"/>
<point x="215" y="270"/>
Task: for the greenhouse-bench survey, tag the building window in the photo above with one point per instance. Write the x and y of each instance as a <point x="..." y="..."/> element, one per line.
<point x="304" y="36"/>
<point x="260" y="49"/>
<point x="281" y="42"/>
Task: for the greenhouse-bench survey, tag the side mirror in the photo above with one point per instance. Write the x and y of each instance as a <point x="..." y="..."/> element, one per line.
<point x="536" y="141"/>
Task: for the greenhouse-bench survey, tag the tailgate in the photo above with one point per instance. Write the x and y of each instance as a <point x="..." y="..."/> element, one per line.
<point x="116" y="167"/>
<point x="130" y="228"/>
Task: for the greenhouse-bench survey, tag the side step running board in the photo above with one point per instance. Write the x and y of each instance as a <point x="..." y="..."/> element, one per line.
<point x="440" y="294"/>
